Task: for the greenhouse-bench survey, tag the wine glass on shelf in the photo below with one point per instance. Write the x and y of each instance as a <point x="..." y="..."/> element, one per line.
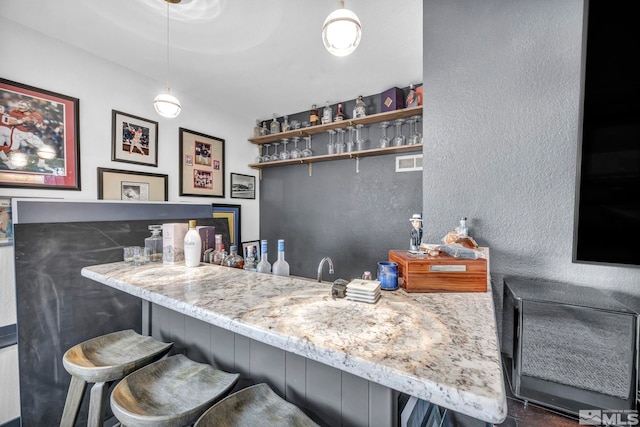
<point x="331" y="146"/>
<point x="350" y="142"/>
<point x="267" y="156"/>
<point x="384" y="139"/>
<point x="416" y="130"/>
<point x="285" y="154"/>
<point x="275" y="155"/>
<point x="259" y="158"/>
<point x="296" y="153"/>
<point x="399" y="139"/>
<point x="411" y="139"/>
<point x="340" y="142"/>
<point x="359" y="140"/>
<point x="307" y="150"/>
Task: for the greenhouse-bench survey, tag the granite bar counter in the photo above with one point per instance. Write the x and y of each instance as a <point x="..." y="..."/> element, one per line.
<point x="440" y="347"/>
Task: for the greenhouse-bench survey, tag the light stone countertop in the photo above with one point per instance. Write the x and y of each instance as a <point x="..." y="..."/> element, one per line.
<point x="440" y="347"/>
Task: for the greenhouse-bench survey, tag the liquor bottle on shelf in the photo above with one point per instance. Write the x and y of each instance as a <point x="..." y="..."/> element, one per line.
<point x="281" y="267"/>
<point x="360" y="110"/>
<point x="286" y="126"/>
<point x="154" y="243"/>
<point x="340" y="114"/>
<point x="326" y="114"/>
<point x="250" y="258"/>
<point x="313" y="116"/>
<point x="264" y="266"/>
<point x="256" y="129"/>
<point x="264" y="131"/>
<point x="275" y="125"/>
<point x="412" y="97"/>
<point x="192" y="246"/>
<point x="233" y="259"/>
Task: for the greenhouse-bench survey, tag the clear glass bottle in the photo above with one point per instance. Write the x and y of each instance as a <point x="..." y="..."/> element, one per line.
<point x="281" y="267"/>
<point x="233" y="259"/>
<point x="250" y="258"/>
<point x="313" y="116"/>
<point x="275" y="125"/>
<point x="192" y="246"/>
<point x="412" y="97"/>
<point x="219" y="256"/>
<point x="256" y="129"/>
<point x="264" y="131"/>
<point x="154" y="243"/>
<point x="286" y="126"/>
<point x="462" y="229"/>
<point x="327" y="114"/>
<point x="264" y="266"/>
<point x="339" y="114"/>
<point x="360" y="110"/>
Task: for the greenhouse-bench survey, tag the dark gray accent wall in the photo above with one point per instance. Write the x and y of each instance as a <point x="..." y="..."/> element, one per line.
<point x="353" y="217"/>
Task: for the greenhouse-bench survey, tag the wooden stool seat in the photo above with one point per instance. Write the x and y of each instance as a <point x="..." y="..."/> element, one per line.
<point x="257" y="405"/>
<point x="171" y="392"/>
<point x="102" y="360"/>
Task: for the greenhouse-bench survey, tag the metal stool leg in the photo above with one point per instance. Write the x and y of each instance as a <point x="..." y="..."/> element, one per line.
<point x="72" y="404"/>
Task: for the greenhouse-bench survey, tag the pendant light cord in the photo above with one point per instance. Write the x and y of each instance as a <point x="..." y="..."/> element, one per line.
<point x="168" y="4"/>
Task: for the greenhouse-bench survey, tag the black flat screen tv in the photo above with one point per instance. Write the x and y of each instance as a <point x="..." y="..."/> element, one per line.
<point x="607" y="226"/>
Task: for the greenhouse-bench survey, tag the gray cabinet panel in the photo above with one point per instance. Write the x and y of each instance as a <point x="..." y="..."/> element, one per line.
<point x="324" y="392"/>
<point x="223" y="349"/>
<point x="198" y="337"/>
<point x="268" y="365"/>
<point x="355" y="400"/>
<point x="295" y="379"/>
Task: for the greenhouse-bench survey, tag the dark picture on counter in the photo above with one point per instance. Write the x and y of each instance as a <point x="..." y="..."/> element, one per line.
<point x="39" y="144"/>
<point x="243" y="186"/>
<point x="201" y="164"/>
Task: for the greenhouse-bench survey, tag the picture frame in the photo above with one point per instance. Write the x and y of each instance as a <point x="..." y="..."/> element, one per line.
<point x="39" y="138"/>
<point x="232" y="214"/>
<point x="6" y="222"/>
<point x="133" y="139"/>
<point x="243" y="186"/>
<point x="256" y="245"/>
<point x="115" y="184"/>
<point x="201" y="164"/>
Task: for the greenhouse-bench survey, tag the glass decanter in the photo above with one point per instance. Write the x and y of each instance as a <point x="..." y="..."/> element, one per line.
<point x="384" y="139"/>
<point x="360" y="142"/>
<point x="340" y="144"/>
<point x="331" y="146"/>
<point x="286" y="127"/>
<point x="285" y="154"/>
<point x="307" y="150"/>
<point x="296" y="153"/>
<point x="399" y="139"/>
<point x="275" y="125"/>
<point x="350" y="142"/>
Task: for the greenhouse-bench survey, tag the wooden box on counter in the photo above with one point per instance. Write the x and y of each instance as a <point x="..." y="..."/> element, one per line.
<point x="442" y="273"/>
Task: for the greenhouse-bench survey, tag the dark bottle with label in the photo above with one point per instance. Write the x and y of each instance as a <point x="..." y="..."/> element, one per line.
<point x="314" y="119"/>
<point x="340" y="114"/>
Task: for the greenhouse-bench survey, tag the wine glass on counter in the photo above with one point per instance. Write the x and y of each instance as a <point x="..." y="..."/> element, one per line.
<point x="331" y="146"/>
<point x="307" y="150"/>
<point x="340" y="142"/>
<point x="384" y="139"/>
<point x="267" y="156"/>
<point x="296" y="153"/>
<point x="285" y="154"/>
<point x="399" y="139"/>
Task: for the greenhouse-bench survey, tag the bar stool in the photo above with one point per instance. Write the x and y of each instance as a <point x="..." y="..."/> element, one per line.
<point x="169" y="393"/>
<point x="257" y="405"/>
<point x="103" y="360"/>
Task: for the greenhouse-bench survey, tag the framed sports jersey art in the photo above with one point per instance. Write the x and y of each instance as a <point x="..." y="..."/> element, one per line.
<point x="39" y="138"/>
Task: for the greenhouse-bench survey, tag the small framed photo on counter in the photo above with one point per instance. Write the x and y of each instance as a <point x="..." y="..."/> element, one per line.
<point x="243" y="186"/>
<point x="255" y="246"/>
<point x="201" y="164"/>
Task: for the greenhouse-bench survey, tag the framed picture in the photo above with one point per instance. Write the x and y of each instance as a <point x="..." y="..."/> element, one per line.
<point x="243" y="186"/>
<point x="201" y="164"/>
<point x="133" y="186"/>
<point x="39" y="138"/>
<point x="6" y="225"/>
<point x="232" y="214"/>
<point x="134" y="139"/>
<point x="254" y="245"/>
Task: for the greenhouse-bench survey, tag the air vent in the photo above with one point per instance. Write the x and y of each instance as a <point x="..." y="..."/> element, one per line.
<point x="409" y="163"/>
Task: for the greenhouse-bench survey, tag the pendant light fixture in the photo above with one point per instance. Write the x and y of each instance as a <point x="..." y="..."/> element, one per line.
<point x="166" y="104"/>
<point x="341" y="31"/>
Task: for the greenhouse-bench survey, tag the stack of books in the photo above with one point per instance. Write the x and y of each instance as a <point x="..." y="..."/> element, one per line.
<point x="363" y="290"/>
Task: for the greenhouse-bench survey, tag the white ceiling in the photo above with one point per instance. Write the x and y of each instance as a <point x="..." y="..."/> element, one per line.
<point x="255" y="56"/>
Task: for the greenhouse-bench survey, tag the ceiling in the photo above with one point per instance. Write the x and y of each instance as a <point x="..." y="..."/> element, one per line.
<point x="252" y="57"/>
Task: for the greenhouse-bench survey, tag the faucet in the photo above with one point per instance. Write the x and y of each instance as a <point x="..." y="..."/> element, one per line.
<point x="327" y="259"/>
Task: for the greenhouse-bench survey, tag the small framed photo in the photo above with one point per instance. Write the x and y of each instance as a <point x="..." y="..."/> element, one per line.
<point x="254" y="247"/>
<point x="232" y="214"/>
<point x="134" y="139"/>
<point x="114" y="184"/>
<point x="6" y="225"/>
<point x="243" y="186"/>
<point x="201" y="164"/>
<point x="39" y="138"/>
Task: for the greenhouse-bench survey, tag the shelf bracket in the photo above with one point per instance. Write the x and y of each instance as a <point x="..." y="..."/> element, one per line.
<point x="357" y="164"/>
<point x="260" y="174"/>
<point x="310" y="168"/>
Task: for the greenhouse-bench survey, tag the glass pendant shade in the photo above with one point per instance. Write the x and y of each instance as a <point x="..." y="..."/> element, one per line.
<point x="167" y="105"/>
<point x="341" y="31"/>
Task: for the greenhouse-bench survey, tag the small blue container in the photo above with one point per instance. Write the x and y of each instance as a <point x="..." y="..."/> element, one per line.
<point x="388" y="275"/>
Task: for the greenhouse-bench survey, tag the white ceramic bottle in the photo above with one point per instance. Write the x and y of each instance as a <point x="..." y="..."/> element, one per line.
<point x="281" y="267"/>
<point x="192" y="246"/>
